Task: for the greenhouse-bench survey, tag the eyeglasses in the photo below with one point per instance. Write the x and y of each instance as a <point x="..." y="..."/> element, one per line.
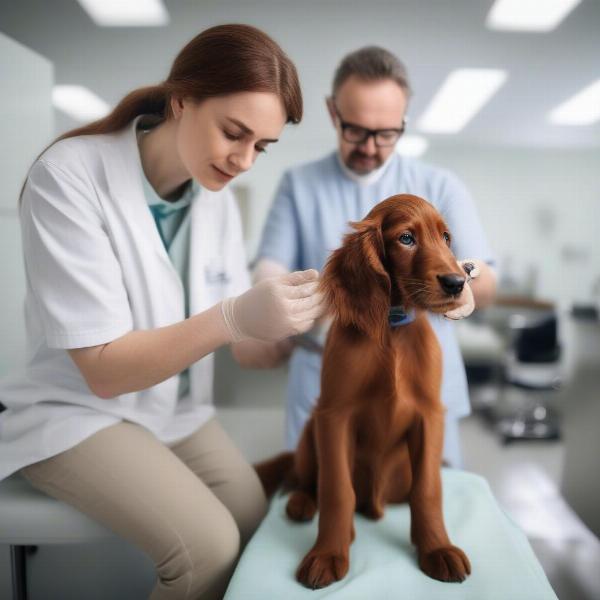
<point x="357" y="134"/>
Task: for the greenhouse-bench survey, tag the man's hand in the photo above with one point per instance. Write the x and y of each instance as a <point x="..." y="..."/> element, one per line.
<point x="254" y="354"/>
<point x="466" y="300"/>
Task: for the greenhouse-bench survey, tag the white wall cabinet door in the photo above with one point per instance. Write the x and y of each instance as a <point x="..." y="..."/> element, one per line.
<point x="26" y="127"/>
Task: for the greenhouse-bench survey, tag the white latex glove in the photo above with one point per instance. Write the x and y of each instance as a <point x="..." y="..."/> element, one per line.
<point x="466" y="299"/>
<point x="275" y="308"/>
<point x="266" y="268"/>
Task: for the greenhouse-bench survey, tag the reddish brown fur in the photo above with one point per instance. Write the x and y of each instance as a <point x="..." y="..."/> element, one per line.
<point x="376" y="433"/>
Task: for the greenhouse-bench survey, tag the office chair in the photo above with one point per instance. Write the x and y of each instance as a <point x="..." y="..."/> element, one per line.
<point x="533" y="365"/>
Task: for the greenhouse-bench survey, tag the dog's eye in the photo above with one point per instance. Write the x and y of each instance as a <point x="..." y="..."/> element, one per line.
<point x="446" y="237"/>
<point x="407" y="239"/>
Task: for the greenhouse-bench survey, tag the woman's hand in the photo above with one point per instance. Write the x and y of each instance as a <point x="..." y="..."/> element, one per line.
<point x="275" y="308"/>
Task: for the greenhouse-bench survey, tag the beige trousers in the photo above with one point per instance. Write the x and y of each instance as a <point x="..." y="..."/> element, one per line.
<point x="190" y="507"/>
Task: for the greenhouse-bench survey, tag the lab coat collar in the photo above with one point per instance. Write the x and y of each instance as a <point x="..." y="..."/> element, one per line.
<point x="124" y="175"/>
<point x="123" y="172"/>
<point x="123" y="168"/>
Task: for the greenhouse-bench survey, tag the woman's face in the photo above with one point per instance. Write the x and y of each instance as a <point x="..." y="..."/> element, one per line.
<point x="221" y="137"/>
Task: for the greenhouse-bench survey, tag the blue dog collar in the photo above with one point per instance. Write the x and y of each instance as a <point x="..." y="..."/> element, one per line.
<point x="397" y="316"/>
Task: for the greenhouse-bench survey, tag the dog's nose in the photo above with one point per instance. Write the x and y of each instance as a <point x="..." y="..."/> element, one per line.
<point x="451" y="283"/>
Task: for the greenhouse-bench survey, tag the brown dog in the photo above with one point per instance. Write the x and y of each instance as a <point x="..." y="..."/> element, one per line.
<point x="376" y="433"/>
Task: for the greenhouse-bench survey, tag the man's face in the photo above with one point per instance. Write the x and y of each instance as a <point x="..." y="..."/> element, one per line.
<point x="373" y="105"/>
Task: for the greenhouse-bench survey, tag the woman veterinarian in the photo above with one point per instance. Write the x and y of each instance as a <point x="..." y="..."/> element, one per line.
<point x="135" y="274"/>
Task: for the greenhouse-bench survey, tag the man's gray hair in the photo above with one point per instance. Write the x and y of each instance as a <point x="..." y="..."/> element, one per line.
<point x="371" y="63"/>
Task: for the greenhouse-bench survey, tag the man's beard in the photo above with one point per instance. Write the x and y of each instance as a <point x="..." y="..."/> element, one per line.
<point x="362" y="164"/>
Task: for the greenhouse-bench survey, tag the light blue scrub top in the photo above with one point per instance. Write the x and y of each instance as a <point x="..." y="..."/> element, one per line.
<point x="173" y="223"/>
<point x="309" y="217"/>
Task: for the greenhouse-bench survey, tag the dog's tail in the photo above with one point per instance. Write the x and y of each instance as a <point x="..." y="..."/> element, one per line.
<point x="276" y="471"/>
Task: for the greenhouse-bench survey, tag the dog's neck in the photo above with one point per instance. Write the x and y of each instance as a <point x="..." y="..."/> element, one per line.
<point x="398" y="313"/>
<point x="398" y="316"/>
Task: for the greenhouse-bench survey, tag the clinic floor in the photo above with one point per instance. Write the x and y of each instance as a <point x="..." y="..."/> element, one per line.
<point x="523" y="476"/>
<point x="525" y="479"/>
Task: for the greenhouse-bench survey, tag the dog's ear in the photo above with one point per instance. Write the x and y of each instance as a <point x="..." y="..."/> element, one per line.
<point x="355" y="283"/>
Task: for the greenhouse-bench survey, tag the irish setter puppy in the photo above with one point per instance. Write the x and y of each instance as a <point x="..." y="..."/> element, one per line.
<point x="376" y="433"/>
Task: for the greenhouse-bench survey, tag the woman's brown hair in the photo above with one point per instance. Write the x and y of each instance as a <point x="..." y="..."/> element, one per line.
<point x="225" y="59"/>
<point x="222" y="60"/>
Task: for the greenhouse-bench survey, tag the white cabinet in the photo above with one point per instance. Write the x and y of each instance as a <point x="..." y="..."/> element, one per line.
<point x="26" y="127"/>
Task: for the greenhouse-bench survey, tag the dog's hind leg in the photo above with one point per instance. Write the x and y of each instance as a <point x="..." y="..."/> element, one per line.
<point x="302" y="504"/>
<point x="273" y="472"/>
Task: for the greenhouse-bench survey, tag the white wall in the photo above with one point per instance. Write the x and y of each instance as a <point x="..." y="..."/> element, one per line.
<point x="26" y="126"/>
<point x="27" y="123"/>
<point x="540" y="208"/>
<point x="264" y="176"/>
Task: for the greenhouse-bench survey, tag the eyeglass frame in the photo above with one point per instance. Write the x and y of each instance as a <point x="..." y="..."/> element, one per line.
<point x="369" y="132"/>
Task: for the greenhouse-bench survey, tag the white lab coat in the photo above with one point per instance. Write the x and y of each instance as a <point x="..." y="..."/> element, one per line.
<point x="97" y="269"/>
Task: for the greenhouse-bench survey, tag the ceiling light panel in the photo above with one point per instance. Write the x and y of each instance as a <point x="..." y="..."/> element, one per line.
<point x="79" y="103"/>
<point x="581" y="109"/>
<point x="412" y="145"/>
<point x="529" y="15"/>
<point x="126" y="13"/>
<point x="460" y="98"/>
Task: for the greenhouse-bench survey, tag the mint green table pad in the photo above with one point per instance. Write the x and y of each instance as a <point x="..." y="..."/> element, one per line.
<point x="383" y="562"/>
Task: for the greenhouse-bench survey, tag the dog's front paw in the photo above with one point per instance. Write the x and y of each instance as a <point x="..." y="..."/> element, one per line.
<point x="446" y="564"/>
<point x="319" y="570"/>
